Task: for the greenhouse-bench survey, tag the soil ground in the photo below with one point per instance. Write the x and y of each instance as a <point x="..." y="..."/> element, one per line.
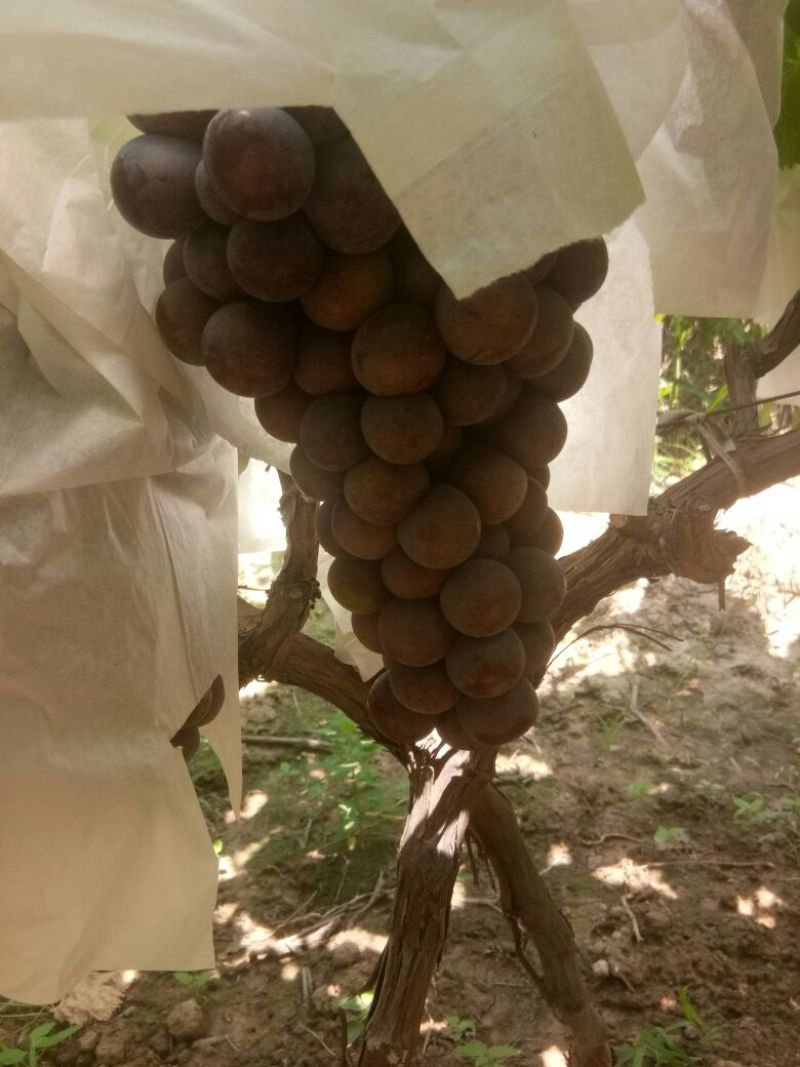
<point x="660" y="793"/>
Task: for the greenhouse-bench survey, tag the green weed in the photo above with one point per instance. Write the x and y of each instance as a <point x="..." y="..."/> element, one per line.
<point x="194" y="980"/>
<point x="356" y="1010"/>
<point x="480" y="1054"/>
<point x="664" y="1046"/>
<point x="39" y="1039"/>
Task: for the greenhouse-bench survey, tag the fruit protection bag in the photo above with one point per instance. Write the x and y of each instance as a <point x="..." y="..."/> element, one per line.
<point x="501" y="131"/>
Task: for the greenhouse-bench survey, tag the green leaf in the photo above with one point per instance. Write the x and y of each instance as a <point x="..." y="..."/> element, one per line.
<point x="49" y="1040"/>
<point x="42" y="1030"/>
<point x="12" y="1055"/>
<point x="664" y="834"/>
<point x="471" y="1050"/>
<point x="500" y="1053"/>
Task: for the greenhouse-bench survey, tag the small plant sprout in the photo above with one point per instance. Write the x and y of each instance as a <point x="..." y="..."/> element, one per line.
<point x="41" y="1038"/>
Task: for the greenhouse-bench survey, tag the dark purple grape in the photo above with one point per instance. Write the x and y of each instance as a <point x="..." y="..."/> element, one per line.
<point x="152" y="182"/>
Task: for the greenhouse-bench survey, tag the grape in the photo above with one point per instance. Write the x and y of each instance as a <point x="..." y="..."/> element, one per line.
<point x="282" y="413"/>
<point x="494" y="542"/>
<point x="442" y="531"/>
<point x="398" y="350"/>
<point x="539" y="641"/>
<point x="486" y="666"/>
<point x="275" y="261"/>
<point x="248" y="348"/>
<point x="524" y="523"/>
<point x="152" y="182"/>
<point x="402" y="429"/>
<point x="210" y="200"/>
<point x="541" y="268"/>
<point x="452" y="733"/>
<point x="414" y="632"/>
<point x="347" y="206"/>
<point x="182" y="312"/>
<point x="391" y="718"/>
<point x="322" y="124"/>
<point x="173" y="267"/>
<point x="190" y="125"/>
<point x="324" y="531"/>
<point x="533" y="432"/>
<point x="260" y="161"/>
<point x="356" y="584"/>
<point x="322" y="364"/>
<point x="426" y="690"/>
<point x="495" y="483"/>
<point x="365" y="628"/>
<point x="512" y="394"/>
<point x="540" y="475"/>
<point x="414" y="277"/>
<point x="206" y="264"/>
<point x="316" y="483"/>
<point x="550" y="340"/>
<point x="549" y="536"/>
<point x="468" y="394"/>
<point x="498" y="720"/>
<point x="349" y="289"/>
<point x="330" y="431"/>
<point x="446" y="450"/>
<point x="571" y="372"/>
<point x="362" y="539"/>
<point x="383" y="493"/>
<point x="481" y="598"/>
<point x="542" y="582"/>
<point x="408" y="580"/>
<point x="579" y="271"/>
<point x="492" y="324"/>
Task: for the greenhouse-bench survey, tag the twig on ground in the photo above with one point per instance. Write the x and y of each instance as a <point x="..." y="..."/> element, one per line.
<point x="637" y="714"/>
<point x="637" y="933"/>
<point x="316" y="1037"/>
<point x="589" y="842"/>
<point x="308" y="744"/>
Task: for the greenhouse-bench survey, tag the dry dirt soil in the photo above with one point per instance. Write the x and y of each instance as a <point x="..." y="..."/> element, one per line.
<point x="660" y="792"/>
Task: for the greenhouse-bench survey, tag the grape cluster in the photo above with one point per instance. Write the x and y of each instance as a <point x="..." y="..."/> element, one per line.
<point x="424" y="424"/>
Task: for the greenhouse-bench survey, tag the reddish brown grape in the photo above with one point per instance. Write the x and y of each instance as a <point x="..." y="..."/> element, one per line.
<point x="182" y="312"/>
<point x="152" y="182"/>
<point x="408" y="580"/>
<point x="383" y="493"/>
<point x="402" y="429"/>
<point x="570" y="373"/>
<point x="442" y="531"/>
<point x="330" y="431"/>
<point x="579" y="271"/>
<point x="347" y="206"/>
<point x="540" y="475"/>
<point x="349" y="289"/>
<point x="549" y="536"/>
<point x="322" y="364"/>
<point x="468" y="394"/>
<point x="414" y="277"/>
<point x="550" y="340"/>
<point x="190" y="125"/>
<point x="446" y="450"/>
<point x="486" y="666"/>
<point x="312" y="480"/>
<point x="539" y="641"/>
<point x="495" y="483"/>
<point x="210" y="200"/>
<point x="324" y="531"/>
<point x="173" y="268"/>
<point x="322" y="124"/>
<point x="524" y="523"/>
<point x="542" y="581"/>
<point x="426" y="690"/>
<point x="365" y="627"/>
<point x="498" y="720"/>
<point x="540" y="269"/>
<point x="494" y="542"/>
<point x="260" y="161"/>
<point x="362" y="539"/>
<point x="248" y="348"/>
<point x="452" y="733"/>
<point x="534" y="431"/>
<point x="481" y="598"/>
<point x="275" y="261"/>
<point x="512" y="394"/>
<point x="414" y="632"/>
<point x="282" y="414"/>
<point x="398" y="350"/>
<point x="356" y="584"/>
<point x="206" y="262"/>
<point x="492" y="324"/>
<point x="392" y="718"/>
